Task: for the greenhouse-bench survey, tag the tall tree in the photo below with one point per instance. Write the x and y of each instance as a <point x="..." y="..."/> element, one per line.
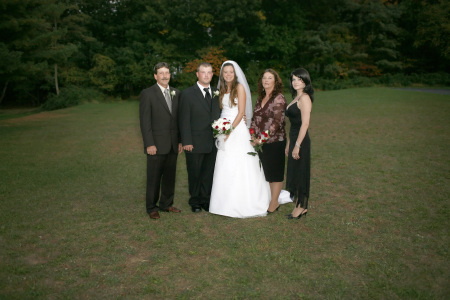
<point x="21" y="30"/>
<point x="433" y="28"/>
<point x="10" y="65"/>
<point x="41" y="32"/>
<point x="55" y="48"/>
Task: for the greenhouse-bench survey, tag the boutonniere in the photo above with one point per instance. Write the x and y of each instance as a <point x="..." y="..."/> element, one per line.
<point x="216" y="93"/>
<point x="173" y="93"/>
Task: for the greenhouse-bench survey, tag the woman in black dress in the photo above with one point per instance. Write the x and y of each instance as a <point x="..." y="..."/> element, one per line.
<point x="298" y="148"/>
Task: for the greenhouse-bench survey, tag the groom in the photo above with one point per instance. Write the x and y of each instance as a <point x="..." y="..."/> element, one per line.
<point x="198" y="108"/>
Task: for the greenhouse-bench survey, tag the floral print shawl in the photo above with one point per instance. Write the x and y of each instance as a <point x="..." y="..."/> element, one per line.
<point x="270" y="117"/>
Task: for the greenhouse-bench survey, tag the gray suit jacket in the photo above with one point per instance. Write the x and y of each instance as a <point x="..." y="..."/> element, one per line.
<point x="159" y="127"/>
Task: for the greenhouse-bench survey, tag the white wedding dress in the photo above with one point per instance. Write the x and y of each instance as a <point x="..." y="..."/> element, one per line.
<point x="240" y="189"/>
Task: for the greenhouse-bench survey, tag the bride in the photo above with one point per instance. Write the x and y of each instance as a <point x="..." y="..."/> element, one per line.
<point x="240" y="189"/>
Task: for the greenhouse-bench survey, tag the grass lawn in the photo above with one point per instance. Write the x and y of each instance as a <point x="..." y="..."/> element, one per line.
<point x="73" y="221"/>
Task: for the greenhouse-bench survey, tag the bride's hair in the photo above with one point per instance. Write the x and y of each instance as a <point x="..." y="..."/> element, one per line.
<point x="223" y="86"/>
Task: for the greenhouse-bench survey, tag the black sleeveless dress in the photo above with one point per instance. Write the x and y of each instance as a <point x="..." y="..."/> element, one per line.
<point x="298" y="171"/>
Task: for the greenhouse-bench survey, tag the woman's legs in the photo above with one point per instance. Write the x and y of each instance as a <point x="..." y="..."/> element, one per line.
<point x="275" y="190"/>
<point x="301" y="206"/>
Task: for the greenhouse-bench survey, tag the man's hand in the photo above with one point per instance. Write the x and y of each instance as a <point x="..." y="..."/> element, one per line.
<point x="151" y="150"/>
<point x="180" y="148"/>
<point x="188" y="148"/>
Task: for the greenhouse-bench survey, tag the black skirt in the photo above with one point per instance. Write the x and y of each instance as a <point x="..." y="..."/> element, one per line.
<point x="272" y="159"/>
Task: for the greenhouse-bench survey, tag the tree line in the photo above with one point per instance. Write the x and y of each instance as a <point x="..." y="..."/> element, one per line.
<point x="49" y="47"/>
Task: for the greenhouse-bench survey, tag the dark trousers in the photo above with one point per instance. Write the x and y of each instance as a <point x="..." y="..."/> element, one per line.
<point x="200" y="167"/>
<point x="161" y="170"/>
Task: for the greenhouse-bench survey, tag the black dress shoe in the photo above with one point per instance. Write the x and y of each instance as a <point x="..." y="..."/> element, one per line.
<point x="290" y="216"/>
<point x="276" y="209"/>
<point x="196" y="209"/>
<point x="205" y="207"/>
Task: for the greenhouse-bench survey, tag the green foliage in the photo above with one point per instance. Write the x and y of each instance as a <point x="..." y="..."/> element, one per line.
<point x="425" y="31"/>
<point x="74" y="76"/>
<point x="103" y="74"/>
<point x="45" y="33"/>
<point x="184" y="80"/>
<point x="45" y="43"/>
<point x="71" y="96"/>
<point x="428" y="79"/>
<point x="434" y="27"/>
<point x="252" y="74"/>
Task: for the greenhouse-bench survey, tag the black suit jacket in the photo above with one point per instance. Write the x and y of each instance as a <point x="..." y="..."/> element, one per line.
<point x="159" y="127"/>
<point x="195" y="118"/>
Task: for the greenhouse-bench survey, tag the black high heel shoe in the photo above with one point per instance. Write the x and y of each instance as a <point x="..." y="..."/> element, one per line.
<point x="290" y="216"/>
<point x="276" y="209"/>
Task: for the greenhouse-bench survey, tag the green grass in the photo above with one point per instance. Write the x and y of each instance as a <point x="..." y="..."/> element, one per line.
<point x="11" y="113"/>
<point x="73" y="222"/>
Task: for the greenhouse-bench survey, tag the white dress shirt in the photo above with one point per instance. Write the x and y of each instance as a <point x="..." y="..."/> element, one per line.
<point x="203" y="91"/>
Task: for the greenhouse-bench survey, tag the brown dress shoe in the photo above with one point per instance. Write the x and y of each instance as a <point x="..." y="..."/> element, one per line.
<point x="154" y="215"/>
<point x="172" y="209"/>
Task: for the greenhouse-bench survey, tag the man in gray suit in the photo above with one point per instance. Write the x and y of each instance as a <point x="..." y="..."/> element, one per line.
<point x="199" y="107"/>
<point x="158" y="114"/>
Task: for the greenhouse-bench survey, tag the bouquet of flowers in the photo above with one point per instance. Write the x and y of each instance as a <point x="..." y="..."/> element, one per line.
<point x="262" y="138"/>
<point x="221" y="126"/>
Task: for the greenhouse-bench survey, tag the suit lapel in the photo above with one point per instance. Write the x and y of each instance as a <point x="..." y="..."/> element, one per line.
<point x="174" y="101"/>
<point x="215" y="99"/>
<point x="160" y="97"/>
<point x="202" y="99"/>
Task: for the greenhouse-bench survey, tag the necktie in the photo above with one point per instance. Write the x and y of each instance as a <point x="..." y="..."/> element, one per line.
<point x="208" y="97"/>
<point x="168" y="99"/>
<point x="207" y="94"/>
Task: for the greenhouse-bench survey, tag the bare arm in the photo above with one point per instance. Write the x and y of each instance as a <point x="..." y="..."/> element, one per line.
<point x="241" y="105"/>
<point x="305" y="105"/>
<point x="286" y="150"/>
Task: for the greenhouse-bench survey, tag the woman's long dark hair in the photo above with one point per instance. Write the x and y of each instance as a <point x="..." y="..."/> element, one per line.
<point x="303" y="75"/>
<point x="223" y="86"/>
<point x="278" y="88"/>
